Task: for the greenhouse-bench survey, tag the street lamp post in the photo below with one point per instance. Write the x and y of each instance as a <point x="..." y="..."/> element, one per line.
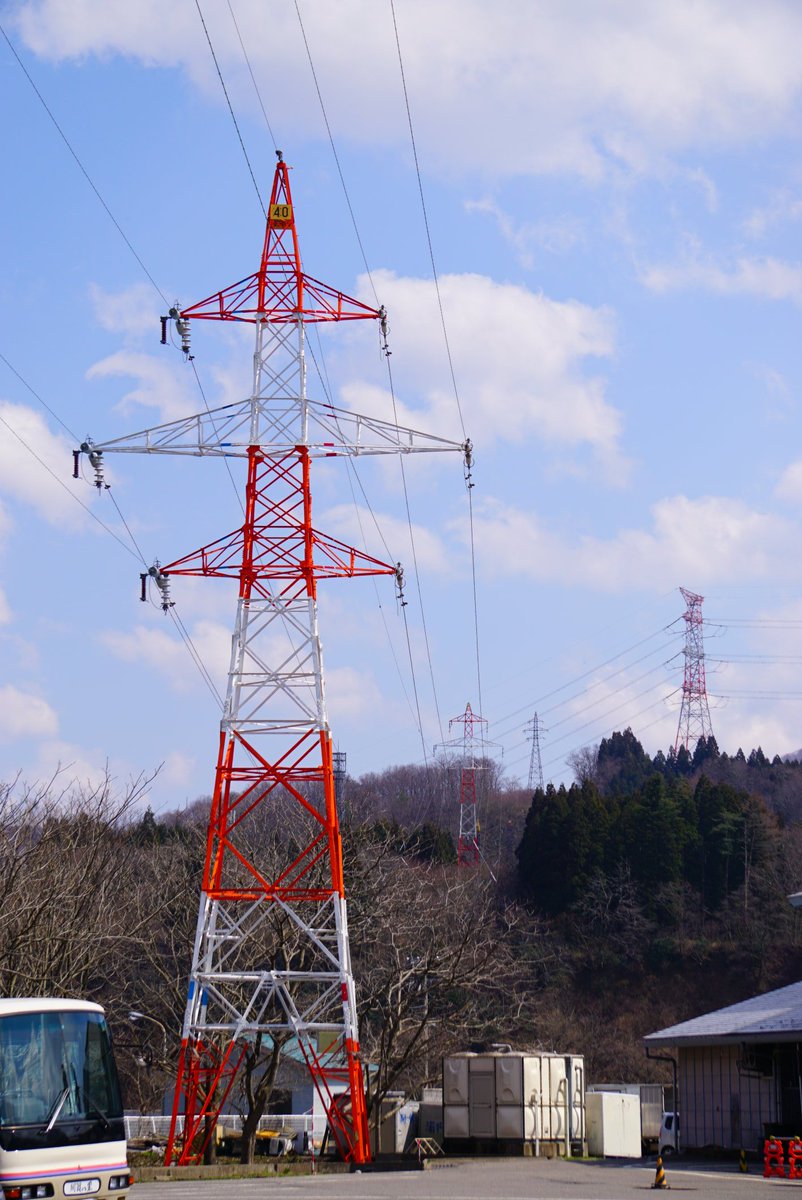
<point x="134" y="1016"/>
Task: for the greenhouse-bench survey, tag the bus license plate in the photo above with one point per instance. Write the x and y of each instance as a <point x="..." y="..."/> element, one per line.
<point x="81" y="1187"/>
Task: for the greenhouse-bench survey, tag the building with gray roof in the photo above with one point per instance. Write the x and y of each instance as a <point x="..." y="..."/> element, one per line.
<point x="739" y="1069"/>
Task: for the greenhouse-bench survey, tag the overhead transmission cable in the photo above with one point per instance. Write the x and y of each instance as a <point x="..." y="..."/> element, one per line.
<point x="80" y="165"/>
<point x="253" y="77"/>
<point x="595" y="704"/>
<point x="424" y="627"/>
<point x="605" y="679"/>
<point x="231" y="107"/>
<point x="61" y="482"/>
<point x="108" y="211"/>
<point x="136" y="553"/>
<point x="354" y="477"/>
<point x="617" y="708"/>
<point x="317" y="366"/>
<point x="641" y="728"/>
<point x="539" y="701"/>
<point x="449" y="356"/>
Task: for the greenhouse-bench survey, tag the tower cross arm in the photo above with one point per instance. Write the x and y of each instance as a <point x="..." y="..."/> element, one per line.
<point x="277" y="427"/>
<point x="279" y="298"/>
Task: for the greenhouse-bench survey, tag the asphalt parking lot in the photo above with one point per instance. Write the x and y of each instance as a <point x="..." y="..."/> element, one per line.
<point x="501" y="1179"/>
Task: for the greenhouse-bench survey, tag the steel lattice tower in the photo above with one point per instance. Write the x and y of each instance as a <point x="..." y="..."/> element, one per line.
<point x="533" y="731"/>
<point x="468" y="852"/>
<point x="694" y="716"/>
<point x="275" y="766"/>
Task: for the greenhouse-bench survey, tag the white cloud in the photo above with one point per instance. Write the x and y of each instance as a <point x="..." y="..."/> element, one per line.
<point x="778" y="399"/>
<point x="520" y="362"/>
<point x="555" y="236"/>
<point x="6" y="616"/>
<point x="177" y="770"/>
<point x="769" y="278"/>
<point x="572" y="88"/>
<point x="692" y="542"/>
<point x="22" y="714"/>
<point x="789" y="485"/>
<point x="128" y="313"/>
<point x="358" y="527"/>
<point x="68" y="765"/>
<point x="351" y="693"/>
<point x="782" y="209"/>
<point x="167" y="655"/>
<point x="45" y="484"/>
<point x="159" y="385"/>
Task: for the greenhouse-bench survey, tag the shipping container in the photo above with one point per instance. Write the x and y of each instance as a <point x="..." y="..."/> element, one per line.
<point x="613" y="1124"/>
<point x="537" y="1100"/>
<point x="655" y="1099"/>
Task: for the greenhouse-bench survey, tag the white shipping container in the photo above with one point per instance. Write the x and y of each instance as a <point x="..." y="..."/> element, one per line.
<point x="613" y="1124"/>
<point x="533" y="1097"/>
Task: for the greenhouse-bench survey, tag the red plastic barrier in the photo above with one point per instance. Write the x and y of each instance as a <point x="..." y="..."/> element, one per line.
<point x="795" y="1158"/>
<point x="773" y="1158"/>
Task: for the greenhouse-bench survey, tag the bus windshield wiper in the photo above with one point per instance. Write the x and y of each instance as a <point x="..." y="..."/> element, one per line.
<point x="56" y="1109"/>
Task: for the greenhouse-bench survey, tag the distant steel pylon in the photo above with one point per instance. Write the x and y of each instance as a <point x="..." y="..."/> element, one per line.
<point x="533" y="731"/>
<point x="694" y="716"/>
<point x="468" y="852"/>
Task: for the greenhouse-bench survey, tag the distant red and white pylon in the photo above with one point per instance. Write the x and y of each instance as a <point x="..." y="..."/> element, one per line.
<point x="273" y="849"/>
<point x="694" y="716"/>
<point x="468" y="852"/>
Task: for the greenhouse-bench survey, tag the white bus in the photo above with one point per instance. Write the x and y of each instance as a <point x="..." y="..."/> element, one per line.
<point x="61" y="1117"/>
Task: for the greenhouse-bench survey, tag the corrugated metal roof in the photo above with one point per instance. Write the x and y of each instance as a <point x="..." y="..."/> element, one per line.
<point x="773" y="1017"/>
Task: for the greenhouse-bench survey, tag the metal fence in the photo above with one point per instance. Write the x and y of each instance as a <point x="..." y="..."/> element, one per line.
<point x="302" y="1127"/>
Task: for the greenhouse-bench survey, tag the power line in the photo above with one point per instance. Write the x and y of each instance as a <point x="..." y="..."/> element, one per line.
<point x="81" y="166"/>
<point x="424" y="625"/>
<point x="36" y="396"/>
<point x="641" y="728"/>
<point x="231" y="108"/>
<point x="447" y="343"/>
<point x="334" y="149"/>
<point x="538" y="703"/>
<point x="135" y="553"/>
<point x="253" y="78"/>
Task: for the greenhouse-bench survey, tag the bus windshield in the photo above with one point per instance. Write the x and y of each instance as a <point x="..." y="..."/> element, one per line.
<point x="58" y="1082"/>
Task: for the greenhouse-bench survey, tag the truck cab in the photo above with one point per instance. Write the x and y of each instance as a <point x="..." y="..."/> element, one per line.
<point x="669" y="1133"/>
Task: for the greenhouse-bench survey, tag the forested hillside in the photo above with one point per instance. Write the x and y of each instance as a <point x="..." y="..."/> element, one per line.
<point x="650" y="890"/>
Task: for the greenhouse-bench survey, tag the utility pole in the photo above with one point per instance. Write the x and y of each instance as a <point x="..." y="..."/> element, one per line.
<point x="533" y="731"/>
<point x="275" y="761"/>
<point x="694" y="716"/>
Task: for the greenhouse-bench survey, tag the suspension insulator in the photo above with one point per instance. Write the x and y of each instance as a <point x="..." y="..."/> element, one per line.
<point x="76" y="458"/>
<point x="96" y="459"/>
<point x="164" y="330"/>
<point x="182" y="326"/>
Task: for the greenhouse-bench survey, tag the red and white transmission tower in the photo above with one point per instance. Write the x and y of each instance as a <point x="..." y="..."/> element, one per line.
<point x="694" y="716"/>
<point x="468" y="852"/>
<point x="275" y="773"/>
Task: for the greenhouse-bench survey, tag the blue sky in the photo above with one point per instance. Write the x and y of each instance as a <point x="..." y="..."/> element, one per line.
<point x="614" y="197"/>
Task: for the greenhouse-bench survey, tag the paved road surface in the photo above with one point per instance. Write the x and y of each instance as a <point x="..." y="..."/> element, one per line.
<point x="502" y="1179"/>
